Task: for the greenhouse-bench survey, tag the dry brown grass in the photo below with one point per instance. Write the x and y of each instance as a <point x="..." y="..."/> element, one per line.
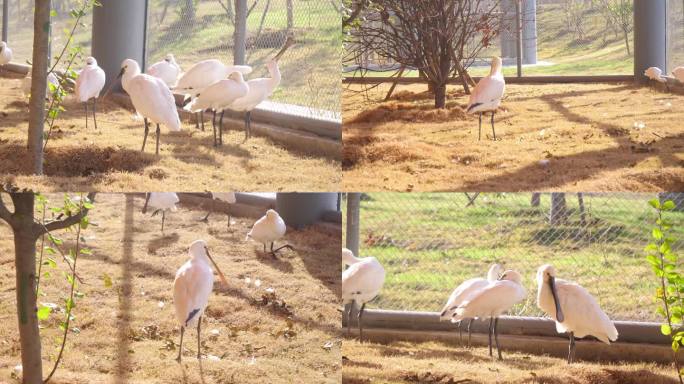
<point x="404" y="362"/>
<point x="109" y="159"/>
<point x="585" y="131"/>
<point x="131" y="339"/>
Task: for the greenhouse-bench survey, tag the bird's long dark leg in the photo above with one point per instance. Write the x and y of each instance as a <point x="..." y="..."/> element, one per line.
<point x="493" y="131"/>
<point x="197" y="120"/>
<point x="360" y="318"/>
<point x="147" y="130"/>
<point x="479" y="132"/>
<point x="264" y="248"/>
<point x="206" y="218"/>
<point x="349" y="312"/>
<point x="94" y="111"/>
<point x="469" y="323"/>
<point x="248" y="122"/>
<point x="491" y="324"/>
<point x="180" y="349"/>
<point x="213" y="125"/>
<point x="86" y="112"/>
<point x="496" y="336"/>
<point x="221" y="127"/>
<point x="288" y="246"/>
<point x="199" y="345"/>
<point x="202" y="119"/>
<point x="571" y="348"/>
<point x="163" y="219"/>
<point x="460" y="332"/>
<point x="158" y="131"/>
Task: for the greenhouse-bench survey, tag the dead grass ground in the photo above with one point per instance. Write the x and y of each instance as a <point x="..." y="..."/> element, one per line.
<point x="589" y="133"/>
<point x="109" y="159"/>
<point x="426" y="363"/>
<point x="134" y="338"/>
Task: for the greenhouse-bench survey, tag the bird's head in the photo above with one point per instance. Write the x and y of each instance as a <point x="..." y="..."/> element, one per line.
<point x="494" y="272"/>
<point x="91" y="61"/>
<point x="272" y="214"/>
<point x="348" y="257"/>
<point x="2" y="45"/>
<point x="236" y="76"/>
<point x="169" y="58"/>
<point x="511" y="275"/>
<point x="129" y="66"/>
<point x="198" y="249"/>
<point x="497" y="64"/>
<point x="545" y="273"/>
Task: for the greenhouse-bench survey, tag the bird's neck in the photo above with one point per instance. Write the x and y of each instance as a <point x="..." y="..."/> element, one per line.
<point x="274" y="71"/>
<point x="351" y="259"/>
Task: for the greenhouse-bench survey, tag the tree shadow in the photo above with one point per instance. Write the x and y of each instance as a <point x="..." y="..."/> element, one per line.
<point x="162" y="242"/>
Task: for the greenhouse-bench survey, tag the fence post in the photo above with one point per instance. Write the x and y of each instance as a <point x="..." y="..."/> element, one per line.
<point x="240" y="34"/>
<point x="5" y="20"/>
<point x="112" y="44"/>
<point x="518" y="36"/>
<point x="353" y="206"/>
<point x="529" y="31"/>
<point x="649" y="37"/>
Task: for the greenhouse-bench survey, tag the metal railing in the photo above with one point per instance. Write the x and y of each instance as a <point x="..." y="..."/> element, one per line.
<point x="429" y="243"/>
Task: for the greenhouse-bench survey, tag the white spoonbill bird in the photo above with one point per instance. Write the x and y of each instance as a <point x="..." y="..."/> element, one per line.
<point x="167" y="70"/>
<point x="268" y="229"/>
<point x="361" y="283"/>
<point x="678" y="73"/>
<point x="191" y="289"/>
<point x="161" y="202"/>
<point x="573" y="309"/>
<point x="89" y="84"/>
<point x="261" y="89"/>
<point x="218" y="97"/>
<point x="463" y="293"/>
<point x="228" y="197"/>
<point x="204" y="74"/>
<point x="151" y="98"/>
<point x="655" y="73"/>
<point x="5" y="53"/>
<point x="491" y="301"/>
<point x="487" y="95"/>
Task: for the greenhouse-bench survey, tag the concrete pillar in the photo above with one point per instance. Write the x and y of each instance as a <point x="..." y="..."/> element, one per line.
<point x="240" y="34"/>
<point x="649" y="37"/>
<point x="302" y="209"/>
<point x="5" y="20"/>
<point x="509" y="34"/>
<point x="118" y="34"/>
<point x="353" y="209"/>
<point x="529" y="31"/>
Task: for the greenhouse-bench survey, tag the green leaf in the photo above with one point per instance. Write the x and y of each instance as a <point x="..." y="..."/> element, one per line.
<point x="50" y="263"/>
<point x="43" y="313"/>
<point x="657" y="234"/>
<point x="665" y="329"/>
<point x="668" y="205"/>
<point x="69" y="305"/>
<point x="107" y="280"/>
<point x="655" y="203"/>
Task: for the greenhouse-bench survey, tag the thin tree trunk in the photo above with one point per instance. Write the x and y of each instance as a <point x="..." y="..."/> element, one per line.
<point x="25" y="261"/>
<point x="41" y="32"/>
<point x="629" y="53"/>
<point x="536" y="199"/>
<point x="559" y="209"/>
<point x="440" y="95"/>
<point x="240" y="34"/>
<point x="290" y="15"/>
<point x="583" y="214"/>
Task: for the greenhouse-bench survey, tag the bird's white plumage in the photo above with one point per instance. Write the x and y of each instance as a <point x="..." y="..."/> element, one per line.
<point x="493" y="300"/>
<point x="163" y="200"/>
<point x="259" y="89"/>
<point x="193" y="285"/>
<point x="655" y="73"/>
<point x="167" y="70"/>
<point x="228" y="197"/>
<point x="90" y="81"/>
<point x="221" y="94"/>
<point x="678" y="73"/>
<point x="466" y="290"/>
<point x="150" y="96"/>
<point x="5" y="53"/>
<point x="489" y="90"/>
<point x="206" y="73"/>
<point x="363" y="280"/>
<point x="268" y="228"/>
<point x="582" y="314"/>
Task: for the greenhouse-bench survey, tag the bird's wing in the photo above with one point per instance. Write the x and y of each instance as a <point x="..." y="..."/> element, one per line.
<point x="153" y="99"/>
<point x="462" y="293"/>
<point x="582" y="311"/>
<point x="487" y="90"/>
<point x="258" y="91"/>
<point x="191" y="289"/>
<point x="201" y="75"/>
<point x="258" y="230"/>
<point x="497" y="297"/>
<point x="244" y="69"/>
<point x="89" y="83"/>
<point x="366" y="277"/>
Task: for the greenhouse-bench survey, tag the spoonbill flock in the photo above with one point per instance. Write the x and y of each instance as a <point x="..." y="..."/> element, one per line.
<point x="574" y="310"/>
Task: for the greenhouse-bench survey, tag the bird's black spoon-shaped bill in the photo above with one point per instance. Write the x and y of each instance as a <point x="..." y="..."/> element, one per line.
<point x="109" y="89"/>
<point x="223" y="278"/>
<point x="559" y="312"/>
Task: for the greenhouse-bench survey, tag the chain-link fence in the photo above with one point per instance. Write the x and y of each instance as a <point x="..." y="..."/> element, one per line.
<point x="195" y="30"/>
<point x="429" y="243"/>
<point x="675" y="34"/>
<point x="558" y="37"/>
